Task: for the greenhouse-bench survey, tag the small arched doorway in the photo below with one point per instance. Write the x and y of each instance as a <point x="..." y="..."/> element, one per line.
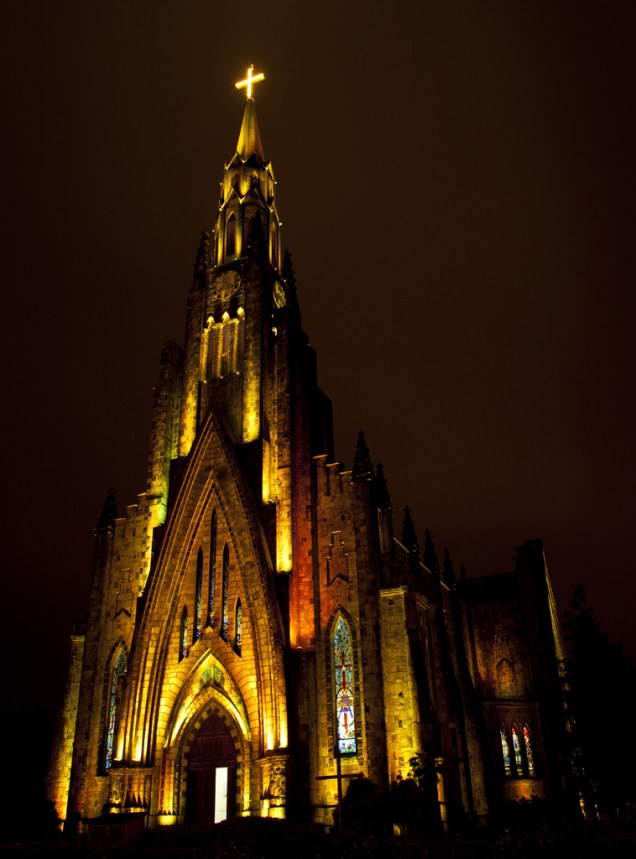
<point x="211" y="785"/>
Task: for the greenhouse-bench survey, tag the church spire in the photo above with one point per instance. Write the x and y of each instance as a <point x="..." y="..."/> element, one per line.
<point x="247" y="191"/>
<point x="249" y="142"/>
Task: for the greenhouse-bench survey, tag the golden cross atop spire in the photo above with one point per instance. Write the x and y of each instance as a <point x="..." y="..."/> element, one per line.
<point x="249" y="80"/>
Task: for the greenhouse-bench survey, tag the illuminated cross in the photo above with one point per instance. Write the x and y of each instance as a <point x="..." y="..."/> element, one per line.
<point x="249" y="80"/>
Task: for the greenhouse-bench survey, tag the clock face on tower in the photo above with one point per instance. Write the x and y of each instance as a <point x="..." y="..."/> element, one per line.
<point x="226" y="286"/>
<point x="280" y="300"/>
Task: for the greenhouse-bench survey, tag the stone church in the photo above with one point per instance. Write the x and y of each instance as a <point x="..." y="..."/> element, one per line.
<point x="256" y="634"/>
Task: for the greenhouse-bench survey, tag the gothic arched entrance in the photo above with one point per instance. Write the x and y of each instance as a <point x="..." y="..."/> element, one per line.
<point x="211" y="779"/>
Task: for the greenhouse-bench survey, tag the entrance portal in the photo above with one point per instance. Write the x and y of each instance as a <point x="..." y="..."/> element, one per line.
<point x="211" y="786"/>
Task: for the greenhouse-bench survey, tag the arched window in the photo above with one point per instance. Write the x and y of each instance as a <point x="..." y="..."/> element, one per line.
<point x="344" y="685"/>
<point x="516" y="748"/>
<point x="118" y="671"/>
<point x="212" y="570"/>
<point x="238" y="626"/>
<point x="230" y="236"/>
<point x="505" y="749"/>
<point x="224" y="592"/>
<point x="198" y="593"/>
<point x="527" y="742"/>
<point x="183" y="640"/>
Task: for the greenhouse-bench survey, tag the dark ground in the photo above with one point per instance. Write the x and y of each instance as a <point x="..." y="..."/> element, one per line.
<point x="257" y="838"/>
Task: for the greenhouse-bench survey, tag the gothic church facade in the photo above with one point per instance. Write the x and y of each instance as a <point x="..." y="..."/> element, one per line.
<point x="254" y="627"/>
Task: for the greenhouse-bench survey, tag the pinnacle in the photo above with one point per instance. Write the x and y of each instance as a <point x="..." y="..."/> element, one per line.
<point x="362" y="461"/>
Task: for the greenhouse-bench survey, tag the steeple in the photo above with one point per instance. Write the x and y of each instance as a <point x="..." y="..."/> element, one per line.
<point x="247" y="190"/>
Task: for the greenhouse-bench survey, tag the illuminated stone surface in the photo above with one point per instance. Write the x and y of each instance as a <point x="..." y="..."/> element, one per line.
<point x="241" y="467"/>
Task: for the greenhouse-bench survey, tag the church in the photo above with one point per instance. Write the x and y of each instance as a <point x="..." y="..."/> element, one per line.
<point x="257" y="635"/>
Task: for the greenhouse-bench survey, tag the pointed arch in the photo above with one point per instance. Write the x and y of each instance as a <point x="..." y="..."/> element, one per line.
<point x="155" y="660"/>
<point x="225" y="584"/>
<point x="183" y="637"/>
<point x="198" y="595"/>
<point x="118" y="665"/>
<point x="210" y="702"/>
<point x="212" y="569"/>
<point x="344" y="679"/>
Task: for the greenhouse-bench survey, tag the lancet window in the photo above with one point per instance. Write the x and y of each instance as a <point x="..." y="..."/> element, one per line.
<point x="212" y="570"/>
<point x="225" y="584"/>
<point x="198" y="594"/>
<point x="516" y="748"/>
<point x="238" y="626"/>
<point x="118" y="671"/>
<point x="517" y="751"/>
<point x="183" y="637"/>
<point x="527" y="742"/>
<point x="344" y="686"/>
<point x="230" y="236"/>
<point x="505" y="749"/>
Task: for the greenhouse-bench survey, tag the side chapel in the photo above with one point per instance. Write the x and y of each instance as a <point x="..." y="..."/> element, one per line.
<point x="254" y="626"/>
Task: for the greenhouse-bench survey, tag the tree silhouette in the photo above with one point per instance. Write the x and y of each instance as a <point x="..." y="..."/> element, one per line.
<point x="602" y="691"/>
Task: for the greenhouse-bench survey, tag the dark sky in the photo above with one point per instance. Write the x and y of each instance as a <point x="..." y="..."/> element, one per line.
<point x="457" y="185"/>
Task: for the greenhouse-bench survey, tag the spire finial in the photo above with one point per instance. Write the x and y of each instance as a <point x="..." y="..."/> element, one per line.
<point x="249" y="81"/>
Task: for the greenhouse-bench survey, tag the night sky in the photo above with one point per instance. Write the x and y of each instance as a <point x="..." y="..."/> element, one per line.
<point x="456" y="183"/>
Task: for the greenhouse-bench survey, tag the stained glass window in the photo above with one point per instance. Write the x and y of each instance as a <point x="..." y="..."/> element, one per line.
<point x="184" y="642"/>
<point x="119" y="669"/>
<point x="516" y="748"/>
<point x="198" y="591"/>
<point x="344" y="687"/>
<point x="212" y="570"/>
<point x="505" y="749"/>
<point x="238" y="627"/>
<point x="527" y="742"/>
<point x="224" y="592"/>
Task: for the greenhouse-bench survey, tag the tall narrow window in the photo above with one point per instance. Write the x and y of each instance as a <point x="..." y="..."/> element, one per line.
<point x="198" y="594"/>
<point x="343" y="676"/>
<point x="516" y="748"/>
<point x="238" y="626"/>
<point x="119" y="669"/>
<point x="240" y="341"/>
<point x="505" y="749"/>
<point x="230" y="236"/>
<point x="183" y="640"/>
<point x="212" y="570"/>
<point x="527" y="742"/>
<point x="226" y="348"/>
<point x="224" y="592"/>
<point x="274" y="247"/>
